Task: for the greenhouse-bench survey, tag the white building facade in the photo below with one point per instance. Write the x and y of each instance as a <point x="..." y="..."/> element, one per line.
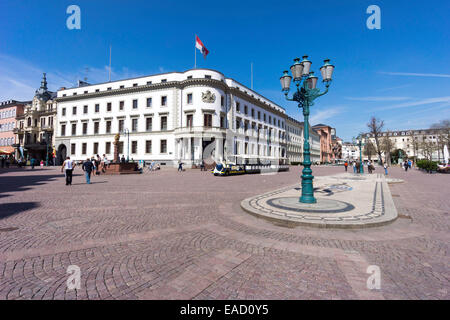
<point x="350" y="151"/>
<point x="189" y="116"/>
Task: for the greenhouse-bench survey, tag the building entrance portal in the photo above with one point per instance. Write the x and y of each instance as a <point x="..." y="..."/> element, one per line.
<point x="62" y="154"/>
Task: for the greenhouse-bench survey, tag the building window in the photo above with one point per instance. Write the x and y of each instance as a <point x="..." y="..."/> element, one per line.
<point x="97" y="90"/>
<point x="163" y="146"/>
<point x="74" y="110"/>
<point x="148" y="146"/>
<point x="96" y="126"/>
<point x="135" y="84"/>
<point x="163" y="123"/>
<point x="222" y="121"/>
<point x="121" y="125"/>
<point x="259" y="115"/>
<point x="63" y="130"/>
<point x="97" y="108"/>
<point x="189" y="98"/>
<point x="133" y="146"/>
<point x="95" y="147"/>
<point x="120" y="147"/>
<point x="207" y="77"/>
<point x="108" y="126"/>
<point x="207" y="120"/>
<point x="245" y="110"/>
<point x="163" y="80"/>
<point x="149" y="102"/>
<point x="85" y="127"/>
<point x="222" y="101"/>
<point x="108" y="147"/>
<point x="74" y="129"/>
<point x="134" y="125"/>
<point x="72" y="148"/>
<point x="135" y="104"/>
<point x="238" y="124"/>
<point x="121" y="87"/>
<point x="189" y="120"/>
<point x="149" y="82"/>
<point x="264" y="117"/>
<point x="121" y="104"/>
<point x="148" y="124"/>
<point x="85" y="109"/>
<point x="163" y="101"/>
<point x="253" y="113"/>
<point x="63" y="111"/>
<point x="238" y="107"/>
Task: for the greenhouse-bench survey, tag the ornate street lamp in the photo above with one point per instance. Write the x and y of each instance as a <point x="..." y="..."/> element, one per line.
<point x="360" y="143"/>
<point x="305" y="94"/>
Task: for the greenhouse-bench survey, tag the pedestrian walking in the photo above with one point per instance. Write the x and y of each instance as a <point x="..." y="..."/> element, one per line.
<point x="346" y="165"/>
<point x="122" y="159"/>
<point x="68" y="166"/>
<point x="42" y="164"/>
<point x="180" y="166"/>
<point x="369" y="167"/>
<point x="87" y="167"/>
<point x="354" y="167"/>
<point x="32" y="163"/>
<point x="405" y="165"/>
<point x="202" y="165"/>
<point x="409" y="164"/>
<point x="385" y="169"/>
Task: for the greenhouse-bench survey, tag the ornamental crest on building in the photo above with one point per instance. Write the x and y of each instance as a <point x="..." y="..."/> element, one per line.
<point x="208" y="97"/>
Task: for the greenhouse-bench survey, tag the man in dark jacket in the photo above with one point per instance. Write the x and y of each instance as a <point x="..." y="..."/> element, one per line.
<point x="87" y="168"/>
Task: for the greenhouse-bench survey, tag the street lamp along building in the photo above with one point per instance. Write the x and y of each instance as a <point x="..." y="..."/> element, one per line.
<point x="186" y="116"/>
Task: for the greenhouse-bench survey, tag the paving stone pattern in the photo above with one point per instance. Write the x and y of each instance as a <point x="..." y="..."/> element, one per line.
<point x="170" y="235"/>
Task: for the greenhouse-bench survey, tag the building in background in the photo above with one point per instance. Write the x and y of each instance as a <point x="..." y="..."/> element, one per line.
<point x="415" y="144"/>
<point x="8" y="112"/>
<point x="295" y="140"/>
<point x="34" y="131"/>
<point x="326" y="147"/>
<point x="314" y="141"/>
<point x="350" y="151"/>
<point x="180" y="116"/>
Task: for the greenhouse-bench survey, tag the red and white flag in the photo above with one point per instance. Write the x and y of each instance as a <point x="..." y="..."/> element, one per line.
<point x="200" y="46"/>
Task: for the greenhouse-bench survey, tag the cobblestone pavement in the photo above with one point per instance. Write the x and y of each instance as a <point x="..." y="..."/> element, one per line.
<point x="169" y="235"/>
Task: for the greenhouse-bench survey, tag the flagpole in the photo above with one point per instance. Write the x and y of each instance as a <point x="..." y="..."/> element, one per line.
<point x="195" y="53"/>
<point x="251" y="76"/>
<point x="109" y="63"/>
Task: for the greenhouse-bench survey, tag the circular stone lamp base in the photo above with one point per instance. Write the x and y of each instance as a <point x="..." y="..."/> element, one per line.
<point x="343" y="201"/>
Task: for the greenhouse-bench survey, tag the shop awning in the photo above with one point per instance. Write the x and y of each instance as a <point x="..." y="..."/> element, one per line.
<point x="6" y="150"/>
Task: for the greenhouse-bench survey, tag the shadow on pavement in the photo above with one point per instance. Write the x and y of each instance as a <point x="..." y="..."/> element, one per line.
<point x="9" y="209"/>
<point x="23" y="182"/>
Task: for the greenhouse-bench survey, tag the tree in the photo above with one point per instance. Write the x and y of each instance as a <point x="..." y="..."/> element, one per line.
<point x="369" y="149"/>
<point x="375" y="128"/>
<point x="387" y="146"/>
<point x="428" y="148"/>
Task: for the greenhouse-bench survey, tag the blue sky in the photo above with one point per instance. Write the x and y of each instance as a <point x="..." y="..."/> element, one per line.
<point x="400" y="73"/>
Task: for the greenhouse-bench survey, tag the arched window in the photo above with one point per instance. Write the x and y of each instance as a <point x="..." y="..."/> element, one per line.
<point x="29" y="122"/>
